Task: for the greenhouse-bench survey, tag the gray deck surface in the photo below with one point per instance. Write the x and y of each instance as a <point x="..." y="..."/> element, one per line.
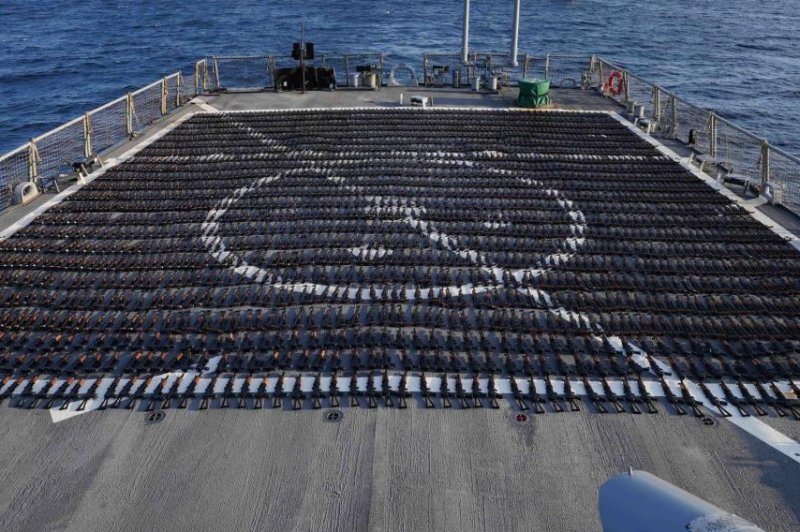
<point x="383" y="469"/>
<point x="375" y="470"/>
<point x="390" y="97"/>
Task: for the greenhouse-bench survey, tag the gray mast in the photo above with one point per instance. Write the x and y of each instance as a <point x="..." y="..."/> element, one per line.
<point x="465" y="38"/>
<point x="515" y="34"/>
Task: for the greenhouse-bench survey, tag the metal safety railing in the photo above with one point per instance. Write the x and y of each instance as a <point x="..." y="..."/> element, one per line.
<point x="731" y="146"/>
<point x="774" y="172"/>
<point x="247" y="73"/>
<point x="53" y="153"/>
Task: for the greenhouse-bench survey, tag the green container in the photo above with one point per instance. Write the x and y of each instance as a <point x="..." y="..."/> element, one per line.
<point x="533" y="93"/>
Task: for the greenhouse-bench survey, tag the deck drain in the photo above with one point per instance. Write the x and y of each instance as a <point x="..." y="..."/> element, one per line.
<point x="708" y="421"/>
<point x="154" y="417"/>
<point x="334" y="416"/>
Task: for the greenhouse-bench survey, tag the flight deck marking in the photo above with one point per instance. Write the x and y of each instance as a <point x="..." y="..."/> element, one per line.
<point x="433" y="385"/>
<point x="409" y="212"/>
<point x="757" y="428"/>
<point x="55" y="413"/>
<point x="62" y="413"/>
<point x="215" y="244"/>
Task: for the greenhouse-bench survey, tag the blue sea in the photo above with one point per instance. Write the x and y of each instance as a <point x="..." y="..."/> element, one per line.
<point x="61" y="58"/>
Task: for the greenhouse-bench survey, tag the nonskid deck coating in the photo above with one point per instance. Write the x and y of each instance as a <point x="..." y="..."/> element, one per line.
<point x="378" y="470"/>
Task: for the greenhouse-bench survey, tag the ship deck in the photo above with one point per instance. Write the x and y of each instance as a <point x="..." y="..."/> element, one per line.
<point x="387" y="468"/>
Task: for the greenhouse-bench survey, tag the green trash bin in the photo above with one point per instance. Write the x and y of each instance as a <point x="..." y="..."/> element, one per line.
<point x="533" y="93"/>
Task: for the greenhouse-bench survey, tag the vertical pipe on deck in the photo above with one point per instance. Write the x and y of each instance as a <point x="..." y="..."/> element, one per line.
<point x="178" y="85"/>
<point x="271" y="70"/>
<point x="87" y="135"/>
<point x="129" y="115"/>
<point x="33" y="161"/>
<point x="515" y="34"/>
<point x="164" y="94"/>
<point x="197" y="78"/>
<point x="587" y="81"/>
<point x="657" y="104"/>
<point x="465" y="36"/>
<point x="674" y="117"/>
<point x="712" y="134"/>
<point x="626" y="86"/>
<point x="765" y="165"/>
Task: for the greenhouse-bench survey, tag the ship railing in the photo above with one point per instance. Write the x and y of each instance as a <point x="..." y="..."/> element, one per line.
<point x="258" y="72"/>
<point x="446" y="69"/>
<point x="562" y="70"/>
<point x="253" y="73"/>
<point x="730" y="148"/>
<point x="52" y="154"/>
<point x="240" y="73"/>
<point x="345" y="66"/>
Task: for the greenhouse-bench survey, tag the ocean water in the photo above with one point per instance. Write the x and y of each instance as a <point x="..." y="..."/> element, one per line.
<point x="61" y="58"/>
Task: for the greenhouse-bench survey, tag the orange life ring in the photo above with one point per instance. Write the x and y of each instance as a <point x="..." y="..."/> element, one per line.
<point x="615" y="83"/>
